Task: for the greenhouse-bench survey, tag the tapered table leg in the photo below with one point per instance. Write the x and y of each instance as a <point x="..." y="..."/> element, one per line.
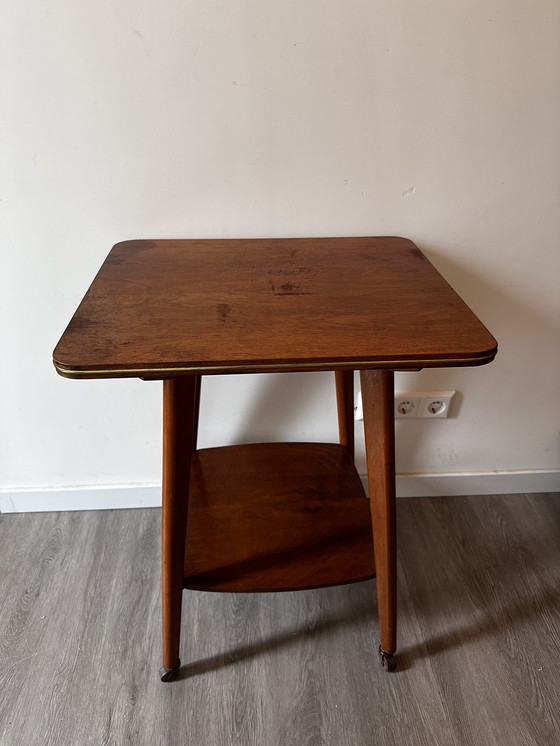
<point x="179" y="409"/>
<point x="345" y="405"/>
<point x="379" y="428"/>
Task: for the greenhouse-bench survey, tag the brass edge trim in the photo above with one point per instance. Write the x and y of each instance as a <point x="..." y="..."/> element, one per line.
<point x="294" y="367"/>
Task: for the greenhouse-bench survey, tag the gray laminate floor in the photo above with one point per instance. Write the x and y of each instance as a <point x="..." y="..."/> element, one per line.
<point x="479" y="638"/>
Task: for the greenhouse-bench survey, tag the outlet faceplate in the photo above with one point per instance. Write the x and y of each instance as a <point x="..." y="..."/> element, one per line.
<point x="414" y="405"/>
<point x="428" y="405"/>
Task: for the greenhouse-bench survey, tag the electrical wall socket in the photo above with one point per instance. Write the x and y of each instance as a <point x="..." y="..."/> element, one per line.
<point x="414" y="405"/>
<point x="427" y="405"/>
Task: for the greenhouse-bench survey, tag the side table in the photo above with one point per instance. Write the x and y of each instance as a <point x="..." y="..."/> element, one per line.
<point x="278" y="516"/>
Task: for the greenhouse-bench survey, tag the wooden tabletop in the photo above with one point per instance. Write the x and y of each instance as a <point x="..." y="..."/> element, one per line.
<point x="162" y="308"/>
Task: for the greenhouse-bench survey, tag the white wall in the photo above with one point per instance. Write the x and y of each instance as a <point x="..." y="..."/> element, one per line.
<point x="438" y="121"/>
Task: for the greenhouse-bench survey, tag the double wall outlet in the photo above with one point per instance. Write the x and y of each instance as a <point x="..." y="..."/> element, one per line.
<point x="427" y="405"/>
<point x="413" y="405"/>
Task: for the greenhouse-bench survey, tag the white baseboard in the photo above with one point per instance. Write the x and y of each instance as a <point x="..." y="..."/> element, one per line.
<point x="485" y="483"/>
<point x="111" y="497"/>
<point x="108" y="497"/>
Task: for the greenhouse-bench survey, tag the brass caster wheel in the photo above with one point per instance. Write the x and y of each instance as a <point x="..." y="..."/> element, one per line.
<point x="168" y="674"/>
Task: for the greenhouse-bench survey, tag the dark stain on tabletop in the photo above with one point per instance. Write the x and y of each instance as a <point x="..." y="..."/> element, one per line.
<point x="224" y="311"/>
<point x="288" y="288"/>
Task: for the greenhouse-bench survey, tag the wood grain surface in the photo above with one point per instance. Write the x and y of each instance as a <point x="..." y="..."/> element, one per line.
<point x="160" y="308"/>
<point x="479" y="640"/>
<point x="276" y="516"/>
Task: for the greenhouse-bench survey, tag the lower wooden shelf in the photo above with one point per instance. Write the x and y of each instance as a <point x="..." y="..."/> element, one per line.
<point x="276" y="516"/>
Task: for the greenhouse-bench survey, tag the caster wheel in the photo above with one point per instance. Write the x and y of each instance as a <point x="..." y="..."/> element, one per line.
<point x="388" y="661"/>
<point x="168" y="674"/>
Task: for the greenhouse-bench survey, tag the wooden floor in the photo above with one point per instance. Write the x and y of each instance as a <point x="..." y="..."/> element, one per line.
<point x="479" y="642"/>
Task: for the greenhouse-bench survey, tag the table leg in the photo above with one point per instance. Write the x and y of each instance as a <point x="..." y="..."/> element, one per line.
<point x="345" y="405"/>
<point x="179" y="409"/>
<point x="379" y="428"/>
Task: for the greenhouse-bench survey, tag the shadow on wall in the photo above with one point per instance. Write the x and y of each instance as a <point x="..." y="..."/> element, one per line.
<point x="525" y="338"/>
<point x="495" y="303"/>
<point x="506" y="315"/>
<point x="286" y="407"/>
